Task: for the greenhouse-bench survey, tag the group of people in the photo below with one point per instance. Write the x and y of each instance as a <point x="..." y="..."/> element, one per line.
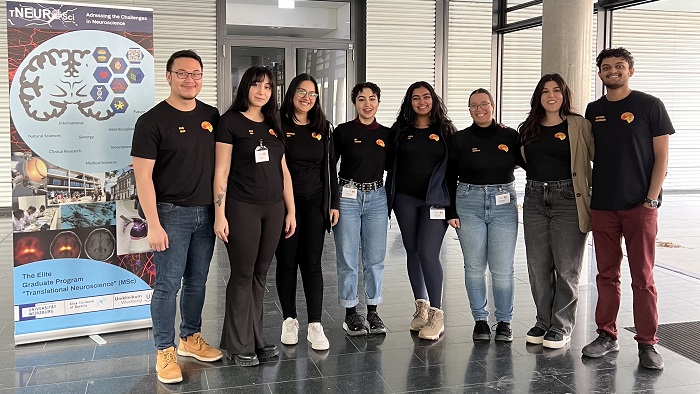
<point x="271" y="173"/>
<point x="21" y="219"/>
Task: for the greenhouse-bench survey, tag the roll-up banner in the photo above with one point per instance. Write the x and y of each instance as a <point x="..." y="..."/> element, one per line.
<point x="80" y="76"/>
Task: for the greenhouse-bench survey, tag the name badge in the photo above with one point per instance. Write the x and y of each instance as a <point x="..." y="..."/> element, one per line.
<point x="349" y="192"/>
<point x="261" y="153"/>
<point x="502" y="199"/>
<point x="437" y="213"/>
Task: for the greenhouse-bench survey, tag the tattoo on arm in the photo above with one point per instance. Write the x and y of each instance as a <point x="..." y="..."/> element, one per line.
<point x="220" y="196"/>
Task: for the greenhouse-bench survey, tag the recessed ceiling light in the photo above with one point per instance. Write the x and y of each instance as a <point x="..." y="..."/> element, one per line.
<point x="275" y="27"/>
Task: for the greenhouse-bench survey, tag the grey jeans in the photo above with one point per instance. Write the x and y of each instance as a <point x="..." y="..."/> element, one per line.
<point x="554" y="246"/>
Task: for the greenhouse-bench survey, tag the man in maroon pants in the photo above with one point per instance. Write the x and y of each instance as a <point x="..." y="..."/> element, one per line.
<point x="631" y="131"/>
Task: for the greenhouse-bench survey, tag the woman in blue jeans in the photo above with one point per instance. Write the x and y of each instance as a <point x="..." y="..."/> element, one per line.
<point x="558" y="147"/>
<point x="361" y="146"/>
<point x="417" y="192"/>
<point x="485" y="212"/>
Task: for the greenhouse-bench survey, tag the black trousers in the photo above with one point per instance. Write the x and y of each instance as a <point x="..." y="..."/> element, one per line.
<point x="254" y="231"/>
<point x="303" y="251"/>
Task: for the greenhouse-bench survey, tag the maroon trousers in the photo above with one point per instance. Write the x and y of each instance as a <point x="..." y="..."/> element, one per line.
<point x="639" y="227"/>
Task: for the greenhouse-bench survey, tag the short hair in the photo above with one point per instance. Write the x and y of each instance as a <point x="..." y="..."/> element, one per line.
<point x="183" y="53"/>
<point x="484" y="91"/>
<point x="18" y="213"/>
<point x="31" y="208"/>
<point x="365" y="85"/>
<point x="614" y="52"/>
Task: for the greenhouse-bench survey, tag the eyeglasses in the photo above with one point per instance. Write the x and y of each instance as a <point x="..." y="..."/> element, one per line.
<point x="184" y="74"/>
<point x="303" y="93"/>
<point x="483" y="105"/>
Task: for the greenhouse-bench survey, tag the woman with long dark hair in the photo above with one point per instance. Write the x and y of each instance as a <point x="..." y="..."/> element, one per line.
<point x="558" y="148"/>
<point x="311" y="162"/>
<point x="485" y="212"/>
<point x="417" y="192"/>
<point x="252" y="189"/>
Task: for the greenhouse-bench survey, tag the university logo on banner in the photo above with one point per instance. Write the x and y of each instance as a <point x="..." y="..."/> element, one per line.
<point x="80" y="76"/>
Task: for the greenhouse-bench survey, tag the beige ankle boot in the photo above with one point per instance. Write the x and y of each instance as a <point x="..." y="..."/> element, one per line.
<point x="420" y="317"/>
<point x="435" y="325"/>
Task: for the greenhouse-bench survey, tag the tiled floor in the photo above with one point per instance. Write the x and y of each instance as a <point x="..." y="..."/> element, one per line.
<point x="396" y="362"/>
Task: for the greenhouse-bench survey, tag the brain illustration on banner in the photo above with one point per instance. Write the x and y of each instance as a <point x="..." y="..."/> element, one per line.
<point x="79" y="90"/>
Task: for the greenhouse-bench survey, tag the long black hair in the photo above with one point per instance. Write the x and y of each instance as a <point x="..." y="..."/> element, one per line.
<point x="269" y="110"/>
<point x="317" y="119"/>
<point x="438" y="114"/>
<point x="530" y="128"/>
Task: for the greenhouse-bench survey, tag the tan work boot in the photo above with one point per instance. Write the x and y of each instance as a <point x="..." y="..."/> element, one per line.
<point x="194" y="346"/>
<point x="420" y="317"/>
<point x="166" y="366"/>
<point x="435" y="325"/>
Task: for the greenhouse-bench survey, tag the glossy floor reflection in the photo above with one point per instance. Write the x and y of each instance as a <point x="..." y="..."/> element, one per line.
<point x="396" y="362"/>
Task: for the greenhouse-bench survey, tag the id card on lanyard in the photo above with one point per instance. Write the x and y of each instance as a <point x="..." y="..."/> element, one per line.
<point x="437" y="213"/>
<point x="349" y="191"/>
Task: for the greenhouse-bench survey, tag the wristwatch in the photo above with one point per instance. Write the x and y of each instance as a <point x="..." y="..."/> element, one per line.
<point x="653" y="203"/>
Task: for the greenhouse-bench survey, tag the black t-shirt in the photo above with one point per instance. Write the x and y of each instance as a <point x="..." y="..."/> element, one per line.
<point x="419" y="152"/>
<point x="624" y="152"/>
<point x="248" y="181"/>
<point x="304" y="155"/>
<point x="361" y="150"/>
<point x="549" y="155"/>
<point x="182" y="145"/>
<point x="485" y="155"/>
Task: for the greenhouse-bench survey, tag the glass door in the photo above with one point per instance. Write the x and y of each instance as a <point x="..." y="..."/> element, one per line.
<point x="329" y="68"/>
<point x="243" y="57"/>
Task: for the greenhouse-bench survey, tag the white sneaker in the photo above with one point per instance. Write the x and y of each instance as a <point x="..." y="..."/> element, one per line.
<point x="290" y="331"/>
<point x="317" y="337"/>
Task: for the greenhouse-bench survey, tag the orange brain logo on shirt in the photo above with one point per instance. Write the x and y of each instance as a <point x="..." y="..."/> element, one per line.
<point x="560" y="135"/>
<point x="207" y="126"/>
<point x="628" y="117"/>
<point x="503" y="147"/>
<point x="272" y="132"/>
<point x="380" y="143"/>
<point x="317" y="136"/>
<point x="434" y="137"/>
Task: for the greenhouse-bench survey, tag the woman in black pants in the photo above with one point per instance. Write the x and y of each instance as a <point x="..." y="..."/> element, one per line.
<point x="252" y="188"/>
<point x="418" y="194"/>
<point x="311" y="164"/>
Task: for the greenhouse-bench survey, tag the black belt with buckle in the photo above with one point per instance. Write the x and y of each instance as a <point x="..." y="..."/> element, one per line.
<point x="363" y="187"/>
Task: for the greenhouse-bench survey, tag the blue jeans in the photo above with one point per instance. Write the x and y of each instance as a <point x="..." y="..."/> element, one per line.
<point x="186" y="262"/>
<point x="487" y="234"/>
<point x="554" y="247"/>
<point x="363" y="220"/>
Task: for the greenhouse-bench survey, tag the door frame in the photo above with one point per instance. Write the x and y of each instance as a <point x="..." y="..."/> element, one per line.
<point x="290" y="46"/>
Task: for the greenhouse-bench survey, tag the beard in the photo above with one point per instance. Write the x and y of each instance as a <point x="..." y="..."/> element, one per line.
<point x="615" y="85"/>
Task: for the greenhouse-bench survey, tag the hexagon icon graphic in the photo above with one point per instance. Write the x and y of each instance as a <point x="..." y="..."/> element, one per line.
<point x="118" y="65"/>
<point x="99" y="92"/>
<point x="135" y="75"/>
<point x="101" y="54"/>
<point x="119" y="105"/>
<point x="118" y="85"/>
<point x="134" y="55"/>
<point x="102" y="74"/>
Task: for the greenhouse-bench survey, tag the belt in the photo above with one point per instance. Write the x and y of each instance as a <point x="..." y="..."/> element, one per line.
<point x="363" y="187"/>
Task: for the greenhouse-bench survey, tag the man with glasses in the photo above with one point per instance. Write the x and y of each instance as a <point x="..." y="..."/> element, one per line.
<point x="173" y="158"/>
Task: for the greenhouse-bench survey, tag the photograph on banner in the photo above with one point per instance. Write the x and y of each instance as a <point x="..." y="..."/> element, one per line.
<point x="80" y="76"/>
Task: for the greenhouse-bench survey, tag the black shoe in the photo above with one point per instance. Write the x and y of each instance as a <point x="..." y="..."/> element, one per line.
<point x="554" y="339"/>
<point x="354" y="325"/>
<point x="267" y="352"/>
<point x="482" y="331"/>
<point x="246" y="359"/>
<point x="601" y="346"/>
<point x="503" y="332"/>
<point x="649" y="357"/>
<point x="536" y="335"/>
<point x="374" y="323"/>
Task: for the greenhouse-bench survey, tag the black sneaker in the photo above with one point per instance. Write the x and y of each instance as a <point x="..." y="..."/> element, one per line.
<point x="554" y="339"/>
<point x="354" y="325"/>
<point x="482" y="331"/>
<point x="535" y="335"/>
<point x="601" y="346"/>
<point x="649" y="357"/>
<point x="374" y="323"/>
<point x="503" y="332"/>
